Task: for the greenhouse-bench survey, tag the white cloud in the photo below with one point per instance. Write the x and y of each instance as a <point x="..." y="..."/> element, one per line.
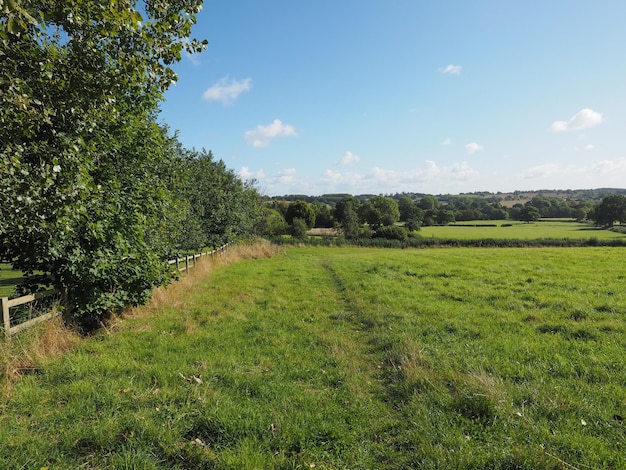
<point x="452" y="69"/>
<point x="245" y="174"/>
<point x="610" y="167"/>
<point x="446" y="142"/>
<point x="541" y="171"/>
<point x="581" y="120"/>
<point x="262" y="135"/>
<point x="348" y="159"/>
<point x="227" y="90"/>
<point x="473" y="148"/>
<point x="589" y="147"/>
<point x="285" y="176"/>
<point x="385" y="180"/>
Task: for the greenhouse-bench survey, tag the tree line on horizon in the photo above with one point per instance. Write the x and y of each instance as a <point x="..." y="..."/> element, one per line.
<point x="378" y="216"/>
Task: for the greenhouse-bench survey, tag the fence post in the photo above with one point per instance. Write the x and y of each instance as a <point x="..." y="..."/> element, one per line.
<point x="6" y="319"/>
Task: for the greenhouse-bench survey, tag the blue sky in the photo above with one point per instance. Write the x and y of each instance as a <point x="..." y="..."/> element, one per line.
<point x="386" y="96"/>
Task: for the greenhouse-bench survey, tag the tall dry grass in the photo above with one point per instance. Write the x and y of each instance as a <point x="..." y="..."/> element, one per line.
<point x="26" y="352"/>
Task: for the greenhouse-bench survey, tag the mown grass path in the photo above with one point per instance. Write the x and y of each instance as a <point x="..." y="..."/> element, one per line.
<point x="348" y="358"/>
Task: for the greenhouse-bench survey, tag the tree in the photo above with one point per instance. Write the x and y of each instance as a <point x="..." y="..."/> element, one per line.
<point x="271" y="223"/>
<point x="610" y="210"/>
<point x="412" y="225"/>
<point x="298" y="227"/>
<point x="300" y="210"/>
<point x="409" y="210"/>
<point x="515" y="211"/>
<point x="323" y="215"/>
<point x="346" y="216"/>
<point x="428" y="203"/>
<point x="82" y="200"/>
<point x="529" y="214"/>
<point x="223" y="205"/>
<point x="444" y="217"/>
<point x="380" y="211"/>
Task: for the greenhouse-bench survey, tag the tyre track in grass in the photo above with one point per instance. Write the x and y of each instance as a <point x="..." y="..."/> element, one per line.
<point x="378" y="370"/>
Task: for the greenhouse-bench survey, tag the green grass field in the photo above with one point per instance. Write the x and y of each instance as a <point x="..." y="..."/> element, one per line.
<point x="8" y="280"/>
<point x="548" y="228"/>
<point x="348" y="358"/>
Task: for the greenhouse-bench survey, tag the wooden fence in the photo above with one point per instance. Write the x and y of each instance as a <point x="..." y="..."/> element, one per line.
<point x="186" y="262"/>
<point x="182" y="264"/>
<point x="8" y="303"/>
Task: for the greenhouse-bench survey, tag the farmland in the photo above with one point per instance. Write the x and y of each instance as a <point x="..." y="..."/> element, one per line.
<point x="8" y="280"/>
<point x="506" y="229"/>
<point x="347" y="358"/>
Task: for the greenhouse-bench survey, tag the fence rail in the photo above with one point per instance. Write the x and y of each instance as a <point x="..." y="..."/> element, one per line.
<point x="182" y="264"/>
<point x="186" y="259"/>
<point x="8" y="303"/>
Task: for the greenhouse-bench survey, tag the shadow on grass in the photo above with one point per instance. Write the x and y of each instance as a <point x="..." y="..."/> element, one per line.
<point x="14" y="281"/>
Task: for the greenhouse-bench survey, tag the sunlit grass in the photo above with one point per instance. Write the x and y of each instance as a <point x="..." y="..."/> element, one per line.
<point x="8" y="280"/>
<point x="346" y="358"/>
<point x="503" y="229"/>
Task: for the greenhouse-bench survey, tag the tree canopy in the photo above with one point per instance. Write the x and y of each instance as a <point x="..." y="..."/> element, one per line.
<point x="300" y="210"/>
<point x="380" y="211"/>
<point x="90" y="196"/>
<point x="610" y="210"/>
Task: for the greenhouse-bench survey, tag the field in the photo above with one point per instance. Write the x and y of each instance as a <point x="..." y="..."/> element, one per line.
<point x="8" y="280"/>
<point x="547" y="228"/>
<point x="507" y="229"/>
<point x="346" y="358"/>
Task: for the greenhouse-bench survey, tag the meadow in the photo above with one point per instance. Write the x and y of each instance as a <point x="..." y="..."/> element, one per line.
<point x="507" y="229"/>
<point x="343" y="358"/>
<point x="8" y="280"/>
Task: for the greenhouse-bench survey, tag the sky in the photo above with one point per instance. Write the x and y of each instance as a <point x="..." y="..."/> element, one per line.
<point x="424" y="96"/>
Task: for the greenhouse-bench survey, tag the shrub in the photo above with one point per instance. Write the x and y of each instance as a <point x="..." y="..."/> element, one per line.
<point x="412" y="225"/>
<point x="392" y="232"/>
<point x="298" y="228"/>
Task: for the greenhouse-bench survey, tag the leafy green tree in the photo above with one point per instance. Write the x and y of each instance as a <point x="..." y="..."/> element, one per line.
<point x="409" y="210"/>
<point x="298" y="227"/>
<point x="380" y="211"/>
<point x="610" y="210"/>
<point x="82" y="200"/>
<point x="280" y="206"/>
<point x="323" y="215"/>
<point x="347" y="218"/>
<point x="221" y="204"/>
<point x="271" y="223"/>
<point x="444" y="217"/>
<point x="412" y="225"/>
<point x="515" y="211"/>
<point x="300" y="210"/>
<point x="428" y="203"/>
<point x="542" y="204"/>
<point x="529" y="214"/>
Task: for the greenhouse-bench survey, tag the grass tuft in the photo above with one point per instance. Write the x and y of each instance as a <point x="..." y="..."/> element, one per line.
<point x="27" y="352"/>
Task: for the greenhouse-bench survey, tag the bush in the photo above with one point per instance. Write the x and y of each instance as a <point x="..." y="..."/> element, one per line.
<point x="298" y="228"/>
<point x="392" y="232"/>
<point x="365" y="232"/>
<point x="412" y="225"/>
